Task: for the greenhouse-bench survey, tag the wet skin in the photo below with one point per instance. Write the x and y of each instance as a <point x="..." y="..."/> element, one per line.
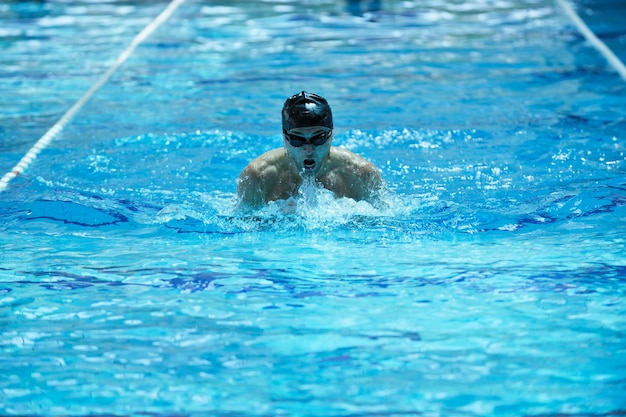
<point x="278" y="174"/>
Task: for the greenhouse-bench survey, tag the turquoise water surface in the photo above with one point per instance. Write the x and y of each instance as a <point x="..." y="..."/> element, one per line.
<point x="491" y="284"/>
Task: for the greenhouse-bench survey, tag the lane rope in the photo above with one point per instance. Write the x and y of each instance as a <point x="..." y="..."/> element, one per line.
<point x="49" y="136"/>
<point x="593" y="39"/>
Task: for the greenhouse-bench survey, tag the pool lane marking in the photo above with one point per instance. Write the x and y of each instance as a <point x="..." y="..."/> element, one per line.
<point x="47" y="138"/>
<point x="593" y="39"/>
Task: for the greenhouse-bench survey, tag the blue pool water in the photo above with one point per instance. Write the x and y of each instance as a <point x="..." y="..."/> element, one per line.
<point x="492" y="283"/>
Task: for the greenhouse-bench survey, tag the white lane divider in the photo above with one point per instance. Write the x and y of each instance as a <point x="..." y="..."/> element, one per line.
<point x="593" y="39"/>
<point x="47" y="138"/>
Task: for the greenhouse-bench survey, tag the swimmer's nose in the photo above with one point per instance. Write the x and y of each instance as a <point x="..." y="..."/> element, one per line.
<point x="308" y="148"/>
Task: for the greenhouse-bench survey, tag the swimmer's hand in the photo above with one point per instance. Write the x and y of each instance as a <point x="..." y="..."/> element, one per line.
<point x="289" y="206"/>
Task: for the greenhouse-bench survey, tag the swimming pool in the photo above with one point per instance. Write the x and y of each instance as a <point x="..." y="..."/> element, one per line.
<point x="492" y="284"/>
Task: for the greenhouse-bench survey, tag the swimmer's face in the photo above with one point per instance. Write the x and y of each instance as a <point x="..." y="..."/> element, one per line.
<point x="308" y="146"/>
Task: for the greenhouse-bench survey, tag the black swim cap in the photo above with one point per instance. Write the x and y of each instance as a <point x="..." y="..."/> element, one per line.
<point x="305" y="110"/>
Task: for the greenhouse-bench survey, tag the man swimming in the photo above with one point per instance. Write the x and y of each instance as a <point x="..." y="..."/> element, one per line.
<point x="307" y="153"/>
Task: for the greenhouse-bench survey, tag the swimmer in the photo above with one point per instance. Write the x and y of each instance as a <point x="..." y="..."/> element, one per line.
<point x="307" y="153"/>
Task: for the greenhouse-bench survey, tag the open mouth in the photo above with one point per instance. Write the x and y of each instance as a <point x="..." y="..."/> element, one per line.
<point x="309" y="163"/>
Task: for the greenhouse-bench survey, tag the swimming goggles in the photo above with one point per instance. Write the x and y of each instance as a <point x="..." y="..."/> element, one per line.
<point x="317" y="140"/>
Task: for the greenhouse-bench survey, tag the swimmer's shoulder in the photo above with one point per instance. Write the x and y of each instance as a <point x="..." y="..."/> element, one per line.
<point x="265" y="164"/>
<point x="364" y="177"/>
<point x="352" y="162"/>
<point x="259" y="177"/>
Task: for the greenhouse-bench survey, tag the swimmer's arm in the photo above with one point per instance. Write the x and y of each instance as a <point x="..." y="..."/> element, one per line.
<point x="250" y="189"/>
<point x="373" y="184"/>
